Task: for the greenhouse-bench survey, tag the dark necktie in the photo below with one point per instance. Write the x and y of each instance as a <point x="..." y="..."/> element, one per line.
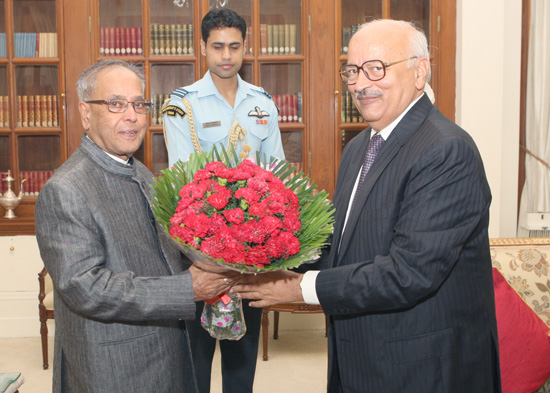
<point x="375" y="143"/>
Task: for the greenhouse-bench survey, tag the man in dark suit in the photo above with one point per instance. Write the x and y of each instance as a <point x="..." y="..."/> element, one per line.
<point x="121" y="289"/>
<point x="407" y="280"/>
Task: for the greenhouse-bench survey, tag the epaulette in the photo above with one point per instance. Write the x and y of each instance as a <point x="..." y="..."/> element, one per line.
<point x="181" y="92"/>
<point x="262" y="90"/>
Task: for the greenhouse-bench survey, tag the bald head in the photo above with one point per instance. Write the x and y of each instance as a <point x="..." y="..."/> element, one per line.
<point x="405" y="69"/>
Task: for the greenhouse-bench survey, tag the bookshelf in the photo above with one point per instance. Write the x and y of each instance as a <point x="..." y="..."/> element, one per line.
<point x="32" y="125"/>
<point x="315" y="121"/>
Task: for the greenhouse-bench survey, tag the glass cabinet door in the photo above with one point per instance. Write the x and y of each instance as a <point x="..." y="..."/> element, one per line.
<point x="284" y="82"/>
<point x="160" y="154"/>
<point x="247" y="73"/>
<point x="171" y="28"/>
<point x="353" y="14"/>
<point x="120" y="28"/>
<point x="37" y="93"/>
<point x="280" y="27"/>
<point x="38" y="156"/>
<point x="165" y="78"/>
<point x="244" y="9"/>
<point x="35" y="28"/>
<point x="418" y="11"/>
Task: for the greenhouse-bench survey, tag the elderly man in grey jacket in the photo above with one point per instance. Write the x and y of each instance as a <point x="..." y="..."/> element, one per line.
<point x="121" y="289"/>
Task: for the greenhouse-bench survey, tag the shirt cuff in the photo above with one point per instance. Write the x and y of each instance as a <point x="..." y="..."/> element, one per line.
<point x="307" y="285"/>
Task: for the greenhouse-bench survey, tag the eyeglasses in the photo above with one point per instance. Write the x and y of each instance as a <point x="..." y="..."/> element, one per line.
<point x="373" y="69"/>
<point x="119" y="105"/>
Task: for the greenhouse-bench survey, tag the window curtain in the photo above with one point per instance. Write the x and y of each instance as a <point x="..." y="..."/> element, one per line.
<point x="536" y="191"/>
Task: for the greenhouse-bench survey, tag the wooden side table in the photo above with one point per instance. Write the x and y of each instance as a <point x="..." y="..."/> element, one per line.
<point x="294" y="308"/>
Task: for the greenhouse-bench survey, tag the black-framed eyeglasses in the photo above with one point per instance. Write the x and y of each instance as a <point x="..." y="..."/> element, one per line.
<point x="119" y="105"/>
<point x="373" y="69"/>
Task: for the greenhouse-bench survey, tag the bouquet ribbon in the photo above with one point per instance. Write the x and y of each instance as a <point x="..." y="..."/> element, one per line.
<point x="224" y="297"/>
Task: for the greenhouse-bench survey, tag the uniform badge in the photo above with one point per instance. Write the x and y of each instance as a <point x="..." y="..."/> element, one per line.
<point x="211" y="124"/>
<point x="172" y="110"/>
<point x="257" y="112"/>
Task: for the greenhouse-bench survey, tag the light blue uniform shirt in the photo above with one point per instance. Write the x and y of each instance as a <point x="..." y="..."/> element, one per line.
<point x="213" y="116"/>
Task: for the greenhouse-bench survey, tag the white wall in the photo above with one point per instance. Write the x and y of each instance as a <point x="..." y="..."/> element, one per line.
<point x="487" y="105"/>
<point x="488" y="82"/>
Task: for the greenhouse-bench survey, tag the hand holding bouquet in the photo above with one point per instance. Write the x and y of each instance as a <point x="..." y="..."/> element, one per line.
<point x="245" y="216"/>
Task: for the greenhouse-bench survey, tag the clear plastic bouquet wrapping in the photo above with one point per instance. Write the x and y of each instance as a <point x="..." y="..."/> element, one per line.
<point x="254" y="218"/>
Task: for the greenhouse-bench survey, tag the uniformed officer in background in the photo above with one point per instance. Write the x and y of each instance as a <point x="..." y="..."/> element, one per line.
<point x="222" y="108"/>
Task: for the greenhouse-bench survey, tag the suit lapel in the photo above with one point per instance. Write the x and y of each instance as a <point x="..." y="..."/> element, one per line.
<point x="399" y="136"/>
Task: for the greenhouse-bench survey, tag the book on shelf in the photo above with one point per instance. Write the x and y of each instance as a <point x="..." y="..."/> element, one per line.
<point x="173" y="40"/>
<point x="347" y="33"/>
<point x="293" y="39"/>
<point x="120" y="41"/>
<point x="349" y="112"/>
<point x="275" y="39"/>
<point x="37" y="111"/>
<point x="34" y="181"/>
<point x="44" y="110"/>
<point x="25" y="122"/>
<point x="30" y="110"/>
<point x="19" y="111"/>
<point x="289" y="106"/>
<point x="49" y="112"/>
<point x="190" y="41"/>
<point x="180" y="39"/>
<point x="269" y="39"/>
<point x="53" y="110"/>
<point x="249" y="40"/>
<point x="35" y="44"/>
<point x="158" y="101"/>
<point x="287" y="39"/>
<point x="4" y="111"/>
<point x="166" y="40"/>
<point x="280" y="39"/>
<point x="299" y="105"/>
<point x="263" y="39"/>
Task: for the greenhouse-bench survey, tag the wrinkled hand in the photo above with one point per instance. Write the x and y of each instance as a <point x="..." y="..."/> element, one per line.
<point x="208" y="284"/>
<point x="270" y="288"/>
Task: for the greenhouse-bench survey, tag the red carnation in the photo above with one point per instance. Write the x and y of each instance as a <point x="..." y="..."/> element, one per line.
<point x="234" y="216"/>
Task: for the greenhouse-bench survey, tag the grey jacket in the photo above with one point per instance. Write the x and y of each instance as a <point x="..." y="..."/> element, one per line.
<point x="120" y="288"/>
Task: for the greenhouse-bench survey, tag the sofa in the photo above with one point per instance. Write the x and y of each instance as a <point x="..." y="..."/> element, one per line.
<point x="521" y="276"/>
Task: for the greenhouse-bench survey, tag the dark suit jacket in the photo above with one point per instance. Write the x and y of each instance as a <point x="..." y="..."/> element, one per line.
<point x="410" y="290"/>
<point x="119" y="287"/>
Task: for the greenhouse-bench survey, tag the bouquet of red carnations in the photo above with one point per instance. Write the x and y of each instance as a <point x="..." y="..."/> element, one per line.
<point x="242" y="215"/>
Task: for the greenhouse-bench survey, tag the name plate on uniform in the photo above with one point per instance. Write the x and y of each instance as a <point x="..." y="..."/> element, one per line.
<point x="211" y="124"/>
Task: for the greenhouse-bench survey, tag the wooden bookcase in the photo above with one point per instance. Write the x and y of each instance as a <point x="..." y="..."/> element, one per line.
<point x="309" y="74"/>
<point x="32" y="134"/>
